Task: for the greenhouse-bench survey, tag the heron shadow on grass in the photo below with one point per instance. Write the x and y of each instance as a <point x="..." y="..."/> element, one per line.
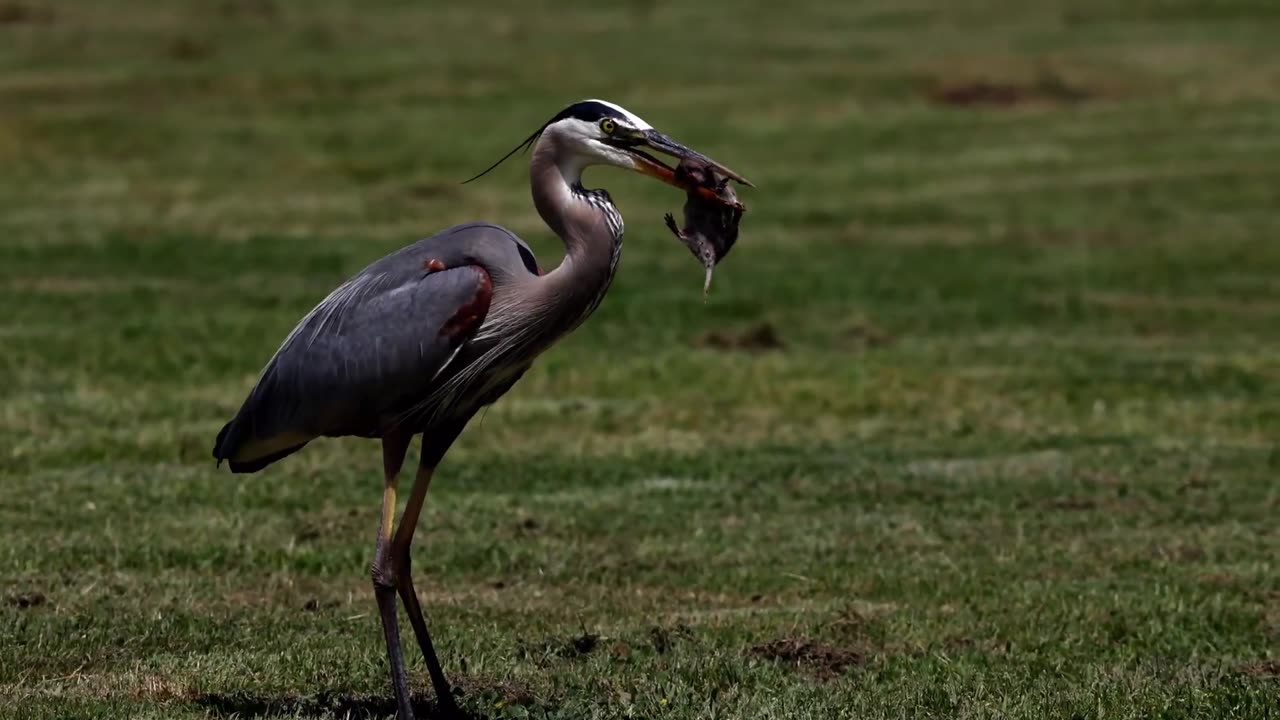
<point x="322" y="705"/>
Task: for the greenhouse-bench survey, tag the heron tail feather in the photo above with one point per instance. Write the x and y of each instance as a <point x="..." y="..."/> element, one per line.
<point x="256" y="464"/>
<point x="250" y="454"/>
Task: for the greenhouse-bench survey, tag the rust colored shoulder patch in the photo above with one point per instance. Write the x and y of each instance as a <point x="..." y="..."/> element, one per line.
<point x="469" y="316"/>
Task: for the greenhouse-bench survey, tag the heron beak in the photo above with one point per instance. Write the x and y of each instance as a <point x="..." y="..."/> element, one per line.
<point x="649" y="165"/>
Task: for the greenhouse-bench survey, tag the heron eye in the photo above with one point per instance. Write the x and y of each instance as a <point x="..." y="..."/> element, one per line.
<point x="608" y="126"/>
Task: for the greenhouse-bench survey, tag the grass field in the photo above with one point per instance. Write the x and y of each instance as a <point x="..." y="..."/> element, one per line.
<point x="981" y="419"/>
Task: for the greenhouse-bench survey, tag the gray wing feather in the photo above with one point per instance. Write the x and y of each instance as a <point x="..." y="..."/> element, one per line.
<point x="379" y="347"/>
<point x="373" y="347"/>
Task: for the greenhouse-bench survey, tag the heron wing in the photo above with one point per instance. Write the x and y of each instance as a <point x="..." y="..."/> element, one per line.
<point x="373" y="348"/>
<point x="369" y="349"/>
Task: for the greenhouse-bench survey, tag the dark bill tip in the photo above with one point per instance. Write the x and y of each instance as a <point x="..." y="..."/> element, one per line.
<point x="664" y="144"/>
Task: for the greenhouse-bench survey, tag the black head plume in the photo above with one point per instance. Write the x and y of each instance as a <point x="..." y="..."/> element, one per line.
<point x="588" y="110"/>
<point x="522" y="146"/>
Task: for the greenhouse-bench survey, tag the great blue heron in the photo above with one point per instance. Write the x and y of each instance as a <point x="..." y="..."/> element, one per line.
<point x="420" y="340"/>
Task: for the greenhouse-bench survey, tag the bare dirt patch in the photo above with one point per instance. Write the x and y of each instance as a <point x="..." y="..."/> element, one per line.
<point x="758" y="338"/>
<point x="664" y="639"/>
<point x="1268" y="669"/>
<point x="1047" y="88"/>
<point x="22" y="601"/>
<point x="571" y="647"/>
<point x="813" y="657"/>
<point x="17" y="13"/>
<point x="499" y="693"/>
<point x="188" y="49"/>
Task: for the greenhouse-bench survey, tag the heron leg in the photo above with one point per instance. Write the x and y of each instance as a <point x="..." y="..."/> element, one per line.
<point x="384" y="571"/>
<point x="402" y="560"/>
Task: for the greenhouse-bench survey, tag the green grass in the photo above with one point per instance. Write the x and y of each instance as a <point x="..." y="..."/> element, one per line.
<point x="1015" y="456"/>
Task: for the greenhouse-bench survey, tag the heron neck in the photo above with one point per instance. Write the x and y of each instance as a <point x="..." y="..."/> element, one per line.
<point x="583" y="225"/>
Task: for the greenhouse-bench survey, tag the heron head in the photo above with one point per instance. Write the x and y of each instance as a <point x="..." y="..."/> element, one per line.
<point x="597" y="132"/>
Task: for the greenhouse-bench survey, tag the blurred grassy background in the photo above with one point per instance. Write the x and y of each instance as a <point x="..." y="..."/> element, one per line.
<point x="980" y="419"/>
